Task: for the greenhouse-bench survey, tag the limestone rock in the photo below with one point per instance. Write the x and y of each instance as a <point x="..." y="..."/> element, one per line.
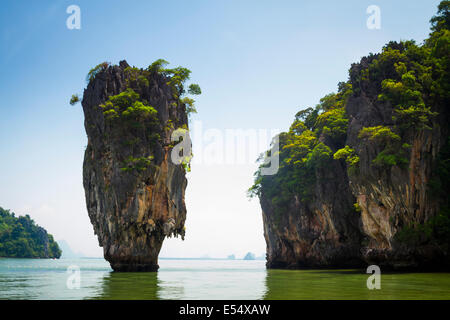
<point x="133" y="209"/>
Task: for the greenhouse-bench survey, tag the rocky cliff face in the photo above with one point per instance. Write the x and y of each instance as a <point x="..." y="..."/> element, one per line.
<point x="364" y="176"/>
<point x="134" y="193"/>
<point x="328" y="232"/>
<point x="395" y="199"/>
<point x="321" y="233"/>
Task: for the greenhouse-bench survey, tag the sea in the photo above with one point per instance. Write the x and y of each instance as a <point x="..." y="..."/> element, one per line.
<point x="92" y="278"/>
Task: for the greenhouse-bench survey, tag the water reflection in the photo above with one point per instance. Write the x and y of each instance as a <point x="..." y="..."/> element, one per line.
<point x="316" y="284"/>
<point x="124" y="286"/>
<point x="351" y="284"/>
<point x="185" y="279"/>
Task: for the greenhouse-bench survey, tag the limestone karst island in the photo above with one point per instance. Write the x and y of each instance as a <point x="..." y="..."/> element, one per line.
<point x="134" y="191"/>
<point x="365" y="174"/>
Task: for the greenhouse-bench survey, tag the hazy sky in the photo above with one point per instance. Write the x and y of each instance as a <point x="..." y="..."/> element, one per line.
<point x="257" y="62"/>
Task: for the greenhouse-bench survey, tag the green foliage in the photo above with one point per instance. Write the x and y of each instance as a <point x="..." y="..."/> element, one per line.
<point x="350" y="156"/>
<point x="190" y="105"/>
<point x="135" y="121"/>
<point x="158" y="65"/>
<point x="176" y="79"/>
<point x="301" y="154"/>
<point x="139" y="110"/>
<point x="394" y="153"/>
<point x="136" y="77"/>
<point x="414" y="81"/>
<point x="74" y="99"/>
<point x="305" y="119"/>
<point x="381" y="134"/>
<point x="126" y="105"/>
<point x="97" y="69"/>
<point x="319" y="156"/>
<point x="333" y="121"/>
<point x="137" y="164"/>
<point x="20" y="237"/>
<point x="390" y="158"/>
<point x="186" y="163"/>
<point x="194" y="89"/>
<point x="357" y="207"/>
<point x="442" y="19"/>
<point x="435" y="231"/>
<point x="406" y="76"/>
<point x="406" y="95"/>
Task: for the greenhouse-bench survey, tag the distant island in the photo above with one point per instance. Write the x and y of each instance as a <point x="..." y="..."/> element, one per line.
<point x="67" y="252"/>
<point x="21" y="237"/>
<point x="249" y="256"/>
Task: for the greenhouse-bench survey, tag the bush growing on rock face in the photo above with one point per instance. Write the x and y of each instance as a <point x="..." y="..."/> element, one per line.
<point x="138" y="164"/>
<point x="357" y="207"/>
<point x="74" y="99"/>
<point x="394" y="152"/>
<point x="127" y="106"/>
<point x="158" y="65"/>
<point x="136" y="77"/>
<point x="97" y="69"/>
<point x="380" y="134"/>
<point x="350" y="157"/>
<point x="333" y="123"/>
<point x="176" y="79"/>
<point x="332" y="120"/>
<point x="190" y="105"/>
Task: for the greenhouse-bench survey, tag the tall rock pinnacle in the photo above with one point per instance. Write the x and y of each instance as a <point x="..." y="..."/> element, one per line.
<point x="134" y="192"/>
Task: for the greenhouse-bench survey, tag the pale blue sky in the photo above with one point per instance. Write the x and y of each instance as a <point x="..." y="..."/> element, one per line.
<point x="258" y="63"/>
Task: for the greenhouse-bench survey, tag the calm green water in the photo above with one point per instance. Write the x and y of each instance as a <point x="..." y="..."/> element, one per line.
<point x="207" y="279"/>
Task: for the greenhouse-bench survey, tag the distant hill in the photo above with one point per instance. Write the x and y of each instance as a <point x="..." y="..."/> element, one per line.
<point x="67" y="252"/>
<point x="249" y="256"/>
<point x="20" y="237"/>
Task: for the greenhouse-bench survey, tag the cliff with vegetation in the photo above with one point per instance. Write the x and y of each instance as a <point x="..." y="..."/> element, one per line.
<point x="364" y="176"/>
<point x="20" y="237"/>
<point x="134" y="192"/>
